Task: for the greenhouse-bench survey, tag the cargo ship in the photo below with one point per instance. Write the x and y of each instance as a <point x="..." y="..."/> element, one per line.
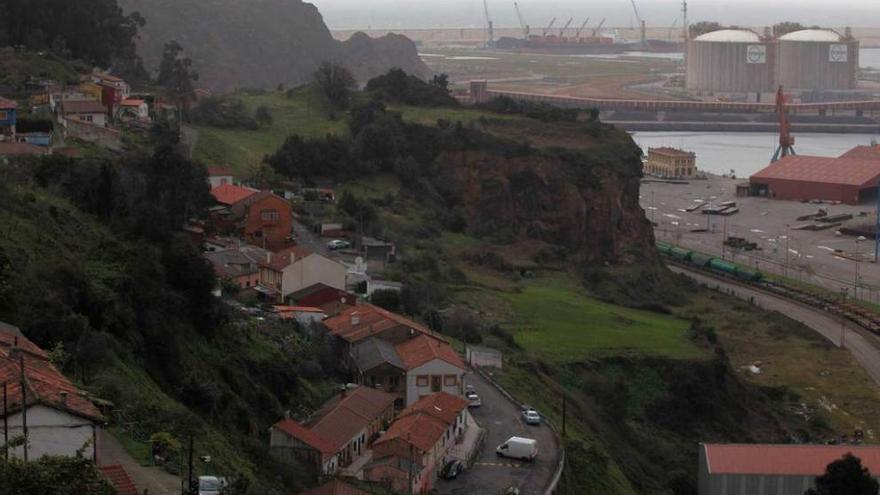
<point x="595" y="45"/>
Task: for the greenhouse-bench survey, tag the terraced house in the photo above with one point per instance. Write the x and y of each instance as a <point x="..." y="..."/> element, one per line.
<point x="411" y="453"/>
<point x="337" y="433"/>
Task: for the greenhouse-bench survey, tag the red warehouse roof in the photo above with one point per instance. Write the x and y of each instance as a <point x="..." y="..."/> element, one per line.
<point x="799" y="460"/>
<point x="802" y="168"/>
<point x="864" y="152"/>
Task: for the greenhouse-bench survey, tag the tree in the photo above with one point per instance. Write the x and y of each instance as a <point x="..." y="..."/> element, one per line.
<point x="175" y="74"/>
<point x="845" y="476"/>
<point x="335" y="83"/>
<point x="263" y="116"/>
<point x="57" y="475"/>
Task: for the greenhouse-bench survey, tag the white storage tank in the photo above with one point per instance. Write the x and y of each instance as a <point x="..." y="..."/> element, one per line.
<point x="817" y="59"/>
<point x="730" y="61"/>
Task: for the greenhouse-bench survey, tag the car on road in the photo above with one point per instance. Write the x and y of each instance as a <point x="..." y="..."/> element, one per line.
<point x="511" y="490"/>
<point x="531" y="417"/>
<point x="211" y="485"/>
<point x="473" y="399"/>
<point x="468" y="389"/>
<point x="338" y="244"/>
<point x="451" y="470"/>
<point x="525" y="449"/>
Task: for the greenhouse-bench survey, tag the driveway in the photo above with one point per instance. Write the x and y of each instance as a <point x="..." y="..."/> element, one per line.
<point x="492" y="474"/>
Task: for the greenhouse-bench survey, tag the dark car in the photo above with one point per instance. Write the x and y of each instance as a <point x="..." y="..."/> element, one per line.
<point x="451" y="469"/>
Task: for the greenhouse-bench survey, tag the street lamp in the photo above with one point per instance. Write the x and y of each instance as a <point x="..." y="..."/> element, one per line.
<point x="859" y="239"/>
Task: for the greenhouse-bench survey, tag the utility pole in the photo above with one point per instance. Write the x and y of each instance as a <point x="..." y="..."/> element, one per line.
<point x="190" y="461"/>
<point x="5" y="422"/>
<point x="23" y="386"/>
<point x="410" y="470"/>
<point x="563" y="413"/>
<point x="653" y="209"/>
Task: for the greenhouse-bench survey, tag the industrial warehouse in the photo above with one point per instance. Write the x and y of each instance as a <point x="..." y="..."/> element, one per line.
<point x="741" y="61"/>
<point x="803" y="178"/>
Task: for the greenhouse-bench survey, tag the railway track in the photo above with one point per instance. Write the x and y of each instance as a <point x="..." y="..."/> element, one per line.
<point x="840" y="308"/>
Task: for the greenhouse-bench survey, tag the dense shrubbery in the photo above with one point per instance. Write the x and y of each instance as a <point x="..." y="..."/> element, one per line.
<point x="399" y="87"/>
<point x="61" y="475"/>
<point x="225" y="113"/>
<point x="539" y="111"/>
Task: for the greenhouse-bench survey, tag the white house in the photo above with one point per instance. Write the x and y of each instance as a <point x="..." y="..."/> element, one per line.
<point x="133" y="109"/>
<point x="221" y="175"/>
<point x="432" y="366"/>
<point x="294" y="269"/>
<point x="59" y="418"/>
<point x="88" y="111"/>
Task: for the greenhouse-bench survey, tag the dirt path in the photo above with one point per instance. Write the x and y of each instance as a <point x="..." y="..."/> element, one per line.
<point x="154" y="479"/>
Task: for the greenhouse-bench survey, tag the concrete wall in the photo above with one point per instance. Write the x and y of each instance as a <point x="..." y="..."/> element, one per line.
<point x="53" y="432"/>
<point x="109" y="138"/>
<point x="431" y="369"/>
<point x="311" y="270"/>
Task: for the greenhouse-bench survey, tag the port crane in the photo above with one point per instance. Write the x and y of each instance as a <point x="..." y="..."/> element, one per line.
<point x="490" y="27"/>
<point x="577" y="34"/>
<point x="522" y="23"/>
<point x="596" y="31"/>
<point x="786" y="140"/>
<point x="548" y="28"/>
<point x="562" y="31"/>
<point x="642" y="34"/>
<point x="671" y="29"/>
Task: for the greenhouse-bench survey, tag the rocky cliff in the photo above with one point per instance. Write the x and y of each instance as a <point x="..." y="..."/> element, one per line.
<point x="261" y="43"/>
<point x="585" y="201"/>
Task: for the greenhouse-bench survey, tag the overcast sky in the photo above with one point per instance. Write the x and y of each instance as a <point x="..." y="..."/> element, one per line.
<point x="361" y="14"/>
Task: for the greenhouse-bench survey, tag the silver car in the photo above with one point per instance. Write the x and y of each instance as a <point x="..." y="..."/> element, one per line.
<point x="531" y="417"/>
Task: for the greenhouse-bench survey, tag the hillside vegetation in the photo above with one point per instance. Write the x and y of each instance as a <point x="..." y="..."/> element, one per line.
<point x="650" y="365"/>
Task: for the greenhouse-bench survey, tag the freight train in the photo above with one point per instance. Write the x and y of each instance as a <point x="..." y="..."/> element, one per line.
<point x="706" y="262"/>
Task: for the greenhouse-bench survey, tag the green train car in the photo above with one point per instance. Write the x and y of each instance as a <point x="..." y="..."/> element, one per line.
<point x="712" y="263"/>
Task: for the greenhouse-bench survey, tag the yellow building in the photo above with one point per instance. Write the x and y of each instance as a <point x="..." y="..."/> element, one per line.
<point x="671" y="162"/>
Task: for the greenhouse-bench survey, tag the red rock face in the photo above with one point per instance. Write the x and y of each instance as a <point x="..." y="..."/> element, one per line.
<point x="595" y="216"/>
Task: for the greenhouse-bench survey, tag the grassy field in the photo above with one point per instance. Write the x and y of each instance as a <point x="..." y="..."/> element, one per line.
<point x="557" y="321"/>
<point x="244" y="150"/>
<point x="795" y="357"/>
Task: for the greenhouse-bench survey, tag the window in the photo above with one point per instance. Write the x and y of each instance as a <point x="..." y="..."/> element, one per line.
<point x="3" y="115"/>
<point x="270" y="215"/>
<point x="89" y="118"/>
<point x="450" y="381"/>
<point x="422" y="381"/>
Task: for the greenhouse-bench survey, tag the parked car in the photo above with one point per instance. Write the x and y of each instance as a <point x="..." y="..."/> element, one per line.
<point x="518" y="448"/>
<point x="531" y="417"/>
<point x="473" y="399"/>
<point x="211" y="485"/>
<point x="511" y="490"/>
<point x="451" y="470"/>
<point x="468" y="389"/>
<point x="338" y="244"/>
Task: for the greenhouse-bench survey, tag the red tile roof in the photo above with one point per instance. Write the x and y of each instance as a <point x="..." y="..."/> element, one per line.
<point x="365" y="320"/>
<point x="420" y="430"/>
<point x="227" y="194"/>
<point x="284" y="258"/>
<point x="44" y="383"/>
<point x="7" y="104"/>
<point x="335" y="487"/>
<point x="131" y="102"/>
<point x="220" y="171"/>
<point x="306" y="436"/>
<point x="864" y="152"/>
<point x="443" y="406"/>
<point x="422" y="349"/>
<point x="799" y="460"/>
<point x="119" y="478"/>
<point x="803" y="168"/>
<point x="82" y="106"/>
<point x="340" y="419"/>
<point x="21" y="149"/>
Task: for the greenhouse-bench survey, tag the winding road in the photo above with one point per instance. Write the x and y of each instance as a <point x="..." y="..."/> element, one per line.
<point x="864" y="346"/>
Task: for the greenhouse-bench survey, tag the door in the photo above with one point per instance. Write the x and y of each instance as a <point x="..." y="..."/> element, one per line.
<point x="436" y="383"/>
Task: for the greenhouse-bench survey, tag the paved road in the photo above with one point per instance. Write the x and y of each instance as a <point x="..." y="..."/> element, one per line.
<point x="863" y="346"/>
<point x="154" y="479"/>
<point x="492" y="474"/>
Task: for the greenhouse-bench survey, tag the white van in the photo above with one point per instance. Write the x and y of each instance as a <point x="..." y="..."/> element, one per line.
<point x="519" y="448"/>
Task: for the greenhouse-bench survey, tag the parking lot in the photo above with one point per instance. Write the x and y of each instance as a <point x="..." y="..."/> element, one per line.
<point x="492" y="474"/>
<point x="812" y="256"/>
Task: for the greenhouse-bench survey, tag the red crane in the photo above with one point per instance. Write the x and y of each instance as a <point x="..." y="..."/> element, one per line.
<point x="786" y="140"/>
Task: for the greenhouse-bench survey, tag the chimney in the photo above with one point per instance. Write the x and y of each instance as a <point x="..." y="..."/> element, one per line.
<point x="355" y="319"/>
<point x="287" y="414"/>
<point x="14" y="351"/>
